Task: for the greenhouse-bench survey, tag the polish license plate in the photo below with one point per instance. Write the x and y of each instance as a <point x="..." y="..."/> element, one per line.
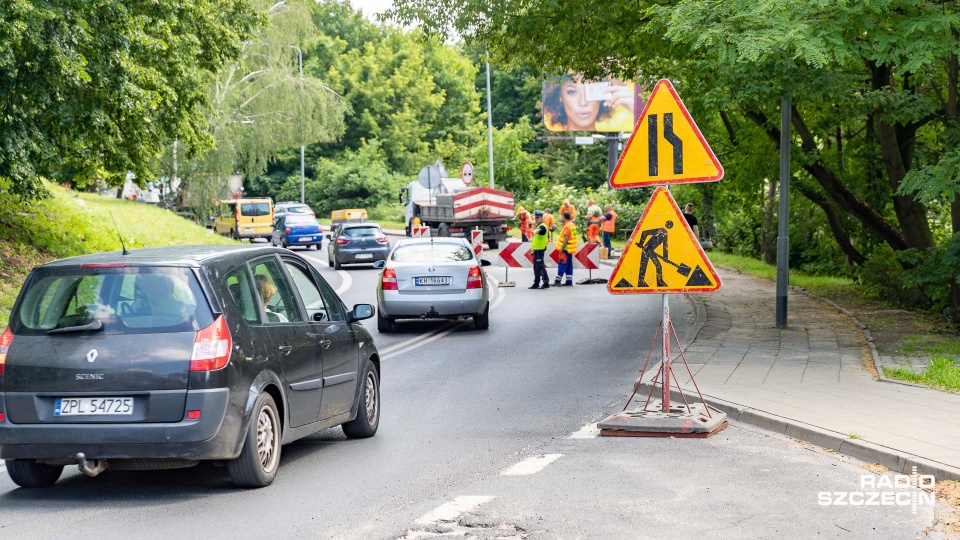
<point x="93" y="406"/>
<point x="248" y="229"/>
<point x="364" y="255"/>
<point x="431" y="281"/>
<point x="306" y="239"/>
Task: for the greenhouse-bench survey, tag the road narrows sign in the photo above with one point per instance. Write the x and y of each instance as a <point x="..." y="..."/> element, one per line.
<point x="666" y="146"/>
<point x="663" y="255"/>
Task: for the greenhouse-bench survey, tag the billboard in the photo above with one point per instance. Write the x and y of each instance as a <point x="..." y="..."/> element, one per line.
<point x="571" y="103"/>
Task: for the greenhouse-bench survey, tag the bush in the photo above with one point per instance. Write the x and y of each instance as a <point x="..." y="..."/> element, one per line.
<point x="924" y="283"/>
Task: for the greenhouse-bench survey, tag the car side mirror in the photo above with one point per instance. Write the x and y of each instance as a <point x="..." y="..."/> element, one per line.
<point x="379" y="264"/>
<point x="361" y="312"/>
<point x="484" y="262"/>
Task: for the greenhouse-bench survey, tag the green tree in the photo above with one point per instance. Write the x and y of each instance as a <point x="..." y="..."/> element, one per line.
<point x="99" y="85"/>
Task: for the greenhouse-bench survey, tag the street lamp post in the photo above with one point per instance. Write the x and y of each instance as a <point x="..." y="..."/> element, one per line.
<point x="302" y="175"/>
<point x="489" y="123"/>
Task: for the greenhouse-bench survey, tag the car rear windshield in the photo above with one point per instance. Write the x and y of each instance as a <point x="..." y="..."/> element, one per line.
<point x="255" y="209"/>
<point x="131" y="300"/>
<point x="298" y="209"/>
<point x="356" y="232"/>
<point x="301" y="220"/>
<point x="432" y="252"/>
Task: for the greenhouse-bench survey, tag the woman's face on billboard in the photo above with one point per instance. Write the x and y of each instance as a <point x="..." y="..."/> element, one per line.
<point x="581" y="114"/>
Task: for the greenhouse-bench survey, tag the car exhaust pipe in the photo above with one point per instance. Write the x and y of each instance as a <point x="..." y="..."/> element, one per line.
<point x="99" y="465"/>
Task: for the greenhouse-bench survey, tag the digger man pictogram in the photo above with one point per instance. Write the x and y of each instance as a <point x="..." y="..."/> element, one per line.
<point x="650" y="240"/>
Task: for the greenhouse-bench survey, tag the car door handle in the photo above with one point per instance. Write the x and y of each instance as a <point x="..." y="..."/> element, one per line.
<point x="325" y="343"/>
<point x="285" y="349"/>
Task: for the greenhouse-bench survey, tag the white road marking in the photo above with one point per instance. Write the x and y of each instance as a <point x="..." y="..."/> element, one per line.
<point x="424" y="335"/>
<point x="589" y="431"/>
<point x="531" y="465"/>
<point x="422" y="342"/>
<point x="346" y="281"/>
<point x="498" y="293"/>
<point x="451" y="511"/>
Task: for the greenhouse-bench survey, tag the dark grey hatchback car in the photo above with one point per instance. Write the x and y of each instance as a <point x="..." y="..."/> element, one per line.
<point x="164" y="357"/>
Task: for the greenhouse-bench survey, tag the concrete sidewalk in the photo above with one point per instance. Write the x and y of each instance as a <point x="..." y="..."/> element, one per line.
<point x="813" y="380"/>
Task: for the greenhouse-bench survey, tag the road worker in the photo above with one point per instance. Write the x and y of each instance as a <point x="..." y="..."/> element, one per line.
<point x="567" y="246"/>
<point x="523" y="219"/>
<point x="567" y="207"/>
<point x="593" y="222"/>
<point x="550" y="222"/>
<point x="608" y="226"/>
<point x="538" y="244"/>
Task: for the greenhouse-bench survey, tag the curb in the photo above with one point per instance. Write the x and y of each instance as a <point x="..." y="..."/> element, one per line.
<point x="899" y="462"/>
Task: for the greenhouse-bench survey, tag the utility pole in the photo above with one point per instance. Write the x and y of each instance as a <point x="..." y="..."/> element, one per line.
<point x="489" y="123"/>
<point x="302" y="175"/>
<point x="783" y="240"/>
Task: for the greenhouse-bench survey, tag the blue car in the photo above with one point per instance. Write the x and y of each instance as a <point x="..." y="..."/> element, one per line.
<point x="297" y="230"/>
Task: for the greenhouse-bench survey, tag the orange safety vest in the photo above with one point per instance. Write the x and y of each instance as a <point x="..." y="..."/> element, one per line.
<point x="610" y="225"/>
<point x="571" y="230"/>
<point x="549" y="221"/>
<point x="568" y="208"/>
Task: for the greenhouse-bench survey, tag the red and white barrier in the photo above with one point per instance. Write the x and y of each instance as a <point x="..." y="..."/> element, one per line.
<point x="420" y="232"/>
<point x="476" y="239"/>
<point x="519" y="255"/>
<point x="482" y="203"/>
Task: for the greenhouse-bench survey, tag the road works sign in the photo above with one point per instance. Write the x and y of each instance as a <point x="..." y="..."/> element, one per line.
<point x="666" y="146"/>
<point x="663" y="255"/>
<point x="420" y="232"/>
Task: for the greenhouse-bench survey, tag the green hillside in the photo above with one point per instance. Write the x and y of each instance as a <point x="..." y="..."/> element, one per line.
<point x="68" y="223"/>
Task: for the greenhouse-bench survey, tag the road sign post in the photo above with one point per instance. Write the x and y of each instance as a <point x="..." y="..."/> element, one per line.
<point x="664" y="257"/>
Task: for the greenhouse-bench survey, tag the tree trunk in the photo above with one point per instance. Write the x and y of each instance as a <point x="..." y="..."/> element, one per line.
<point x="840" y="234"/>
<point x="769" y="224"/>
<point x="708" y="224"/>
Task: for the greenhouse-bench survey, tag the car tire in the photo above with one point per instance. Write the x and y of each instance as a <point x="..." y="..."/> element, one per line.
<point x="337" y="265"/>
<point x="257" y="464"/>
<point x="493" y="244"/>
<point x="384" y="324"/>
<point x="481" y="321"/>
<point x="234" y="235"/>
<point x="30" y="474"/>
<point x="368" y="406"/>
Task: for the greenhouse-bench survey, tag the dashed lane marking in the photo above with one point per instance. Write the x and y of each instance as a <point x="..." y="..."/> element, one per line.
<point x="589" y="431"/>
<point x="531" y="465"/>
<point x="450" y="511"/>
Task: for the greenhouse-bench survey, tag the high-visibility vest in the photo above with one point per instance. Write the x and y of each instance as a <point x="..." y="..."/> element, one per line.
<point x="572" y="244"/>
<point x="568" y="208"/>
<point x="610" y="225"/>
<point x="539" y="241"/>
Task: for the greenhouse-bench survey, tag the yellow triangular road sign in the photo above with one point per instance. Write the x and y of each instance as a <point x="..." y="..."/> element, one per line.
<point x="663" y="255"/>
<point x="666" y="146"/>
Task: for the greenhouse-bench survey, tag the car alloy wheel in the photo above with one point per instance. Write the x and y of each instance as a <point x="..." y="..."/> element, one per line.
<point x="372" y="400"/>
<point x="267" y="439"/>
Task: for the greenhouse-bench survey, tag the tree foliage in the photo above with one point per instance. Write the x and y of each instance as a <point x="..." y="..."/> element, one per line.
<point x="99" y="85"/>
<point x="874" y="88"/>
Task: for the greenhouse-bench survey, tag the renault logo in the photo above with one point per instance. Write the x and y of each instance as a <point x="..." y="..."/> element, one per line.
<point x="92" y="355"/>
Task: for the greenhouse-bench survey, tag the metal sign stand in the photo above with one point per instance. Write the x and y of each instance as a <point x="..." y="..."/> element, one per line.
<point x="665" y="419"/>
<point x="506" y="276"/>
<point x="591" y="280"/>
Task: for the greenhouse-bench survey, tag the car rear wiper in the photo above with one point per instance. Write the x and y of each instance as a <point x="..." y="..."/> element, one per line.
<point x="91" y="326"/>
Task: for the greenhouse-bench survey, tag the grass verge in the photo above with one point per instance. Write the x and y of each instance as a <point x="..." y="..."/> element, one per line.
<point x="69" y="223"/>
<point x="942" y="372"/>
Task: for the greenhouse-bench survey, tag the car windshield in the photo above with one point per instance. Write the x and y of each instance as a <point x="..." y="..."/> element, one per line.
<point x="432" y="252"/>
<point x="301" y="220"/>
<point x="126" y="300"/>
<point x="255" y="209"/>
<point x="356" y="232"/>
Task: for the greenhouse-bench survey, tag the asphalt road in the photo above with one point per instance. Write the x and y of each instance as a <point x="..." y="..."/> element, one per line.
<point x="489" y="434"/>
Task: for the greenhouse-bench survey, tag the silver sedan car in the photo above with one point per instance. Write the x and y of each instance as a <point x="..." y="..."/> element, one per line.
<point x="432" y="278"/>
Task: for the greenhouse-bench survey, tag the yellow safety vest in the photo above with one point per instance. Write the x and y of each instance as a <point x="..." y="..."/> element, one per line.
<point x="572" y="244"/>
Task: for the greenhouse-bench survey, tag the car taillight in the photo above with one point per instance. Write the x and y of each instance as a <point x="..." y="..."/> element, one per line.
<point x="383" y="239"/>
<point x="5" y="340"/>
<point x="505" y="228"/>
<point x="237" y="211"/>
<point x="211" y="347"/>
<point x="473" y="278"/>
<point x="389" y="280"/>
<point x="343" y="240"/>
<point x="286" y="230"/>
<point x="456" y="229"/>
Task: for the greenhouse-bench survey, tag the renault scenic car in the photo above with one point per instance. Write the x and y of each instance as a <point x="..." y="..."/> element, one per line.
<point x="164" y="357"/>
